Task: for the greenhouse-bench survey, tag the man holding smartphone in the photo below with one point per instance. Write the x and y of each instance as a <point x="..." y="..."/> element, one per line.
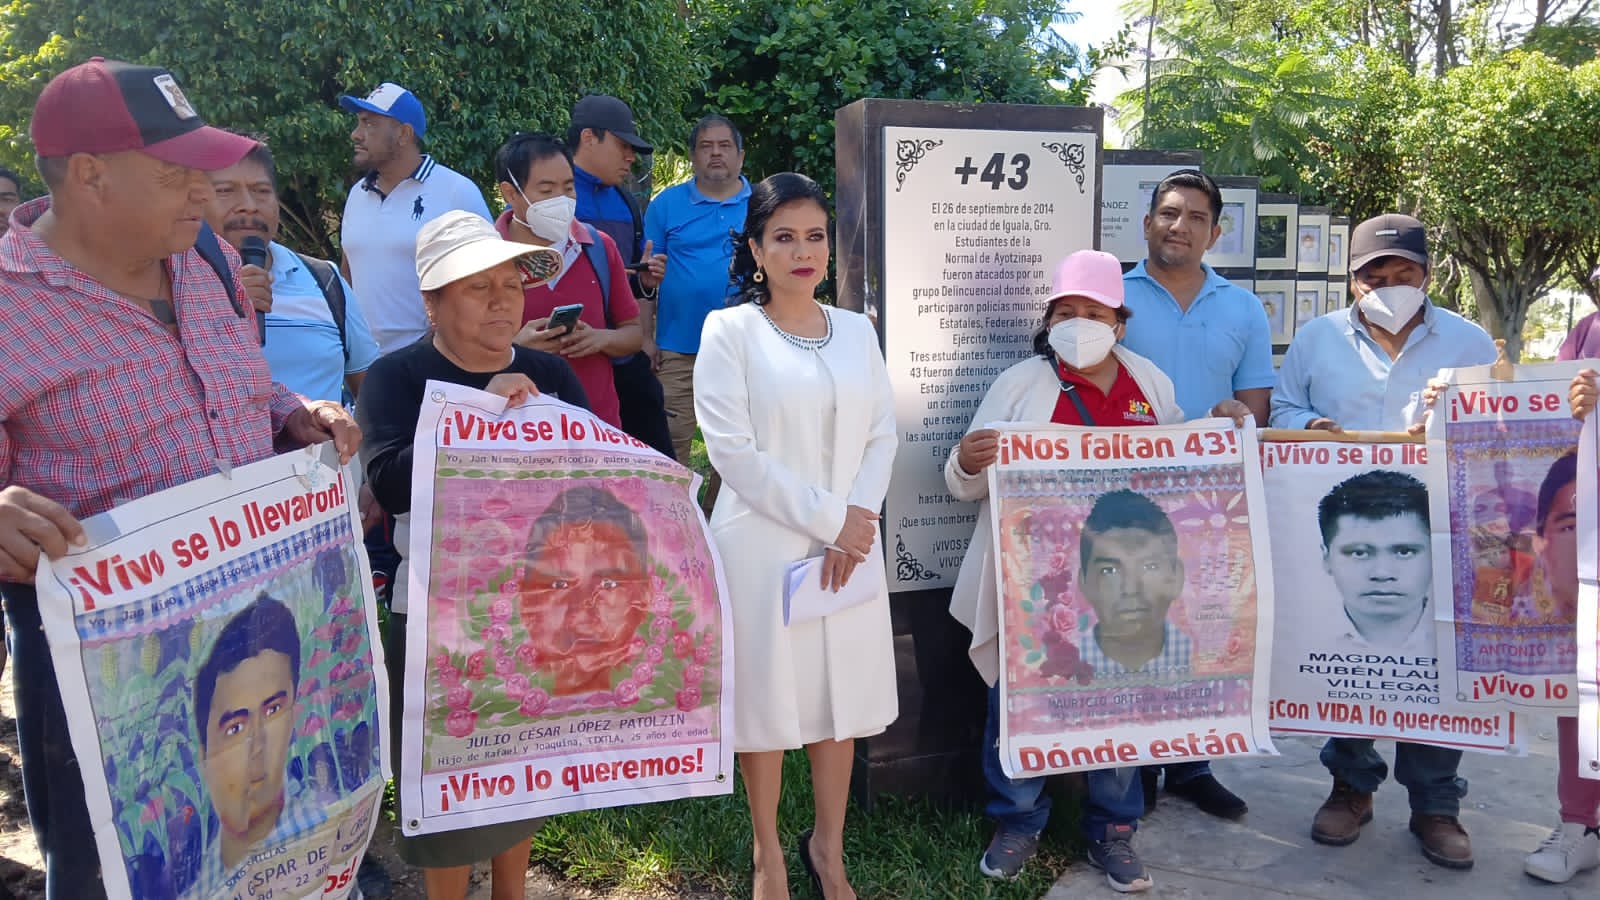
<point x="568" y="316"/>
<point x="605" y="144"/>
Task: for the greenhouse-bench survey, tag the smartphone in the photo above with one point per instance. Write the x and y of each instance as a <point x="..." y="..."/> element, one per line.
<point x="564" y="318"/>
<point x="639" y="266"/>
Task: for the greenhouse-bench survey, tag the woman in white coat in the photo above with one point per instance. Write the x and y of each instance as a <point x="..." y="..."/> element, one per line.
<point x="794" y="402"/>
<point x="1080" y="375"/>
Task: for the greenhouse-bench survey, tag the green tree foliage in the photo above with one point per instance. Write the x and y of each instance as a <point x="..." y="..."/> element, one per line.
<point x="482" y="68"/>
<point x="1499" y="156"/>
<point x="779" y="68"/>
<point x="1253" y="104"/>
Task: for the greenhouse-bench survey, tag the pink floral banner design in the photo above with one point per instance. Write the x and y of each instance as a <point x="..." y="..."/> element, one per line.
<point x="1135" y="594"/>
<point x="216" y="653"/>
<point x="571" y="647"/>
<point x="1502" y="453"/>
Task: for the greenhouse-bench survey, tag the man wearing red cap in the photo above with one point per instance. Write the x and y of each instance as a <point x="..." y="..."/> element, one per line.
<point x="131" y="366"/>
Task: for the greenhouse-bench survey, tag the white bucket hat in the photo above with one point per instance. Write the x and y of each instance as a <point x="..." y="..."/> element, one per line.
<point x="459" y="243"/>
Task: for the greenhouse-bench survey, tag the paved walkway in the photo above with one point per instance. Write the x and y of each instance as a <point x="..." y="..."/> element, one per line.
<point x="1269" y="855"/>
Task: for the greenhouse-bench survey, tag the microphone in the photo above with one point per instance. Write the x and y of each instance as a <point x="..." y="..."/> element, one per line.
<point x="253" y="252"/>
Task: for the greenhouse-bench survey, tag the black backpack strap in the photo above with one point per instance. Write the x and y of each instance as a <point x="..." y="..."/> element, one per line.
<point x="638" y="223"/>
<point x="638" y="239"/>
<point x="327" y="277"/>
<point x="210" y="249"/>
<point x="1071" y="390"/>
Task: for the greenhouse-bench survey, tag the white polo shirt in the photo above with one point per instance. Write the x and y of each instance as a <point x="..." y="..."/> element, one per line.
<point x="379" y="239"/>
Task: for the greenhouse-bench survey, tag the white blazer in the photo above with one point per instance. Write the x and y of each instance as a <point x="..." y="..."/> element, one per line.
<point x="1026" y="392"/>
<point x="761" y="412"/>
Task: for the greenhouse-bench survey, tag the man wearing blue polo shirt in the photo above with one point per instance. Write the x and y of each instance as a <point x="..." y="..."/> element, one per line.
<point x="1367" y="368"/>
<point x="693" y="223"/>
<point x="403" y="190"/>
<point x="1212" y="339"/>
<point x="306" y="350"/>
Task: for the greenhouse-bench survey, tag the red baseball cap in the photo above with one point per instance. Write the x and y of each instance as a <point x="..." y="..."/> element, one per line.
<point x="106" y="106"/>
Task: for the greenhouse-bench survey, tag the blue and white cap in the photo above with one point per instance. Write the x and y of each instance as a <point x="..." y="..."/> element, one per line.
<point x="390" y="100"/>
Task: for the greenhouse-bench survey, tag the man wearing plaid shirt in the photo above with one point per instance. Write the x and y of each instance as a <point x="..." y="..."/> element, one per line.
<point x="129" y="366"/>
<point x="1131" y="574"/>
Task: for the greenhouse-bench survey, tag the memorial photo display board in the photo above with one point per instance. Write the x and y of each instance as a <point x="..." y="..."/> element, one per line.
<point x="1311" y="241"/>
<point x="1235" y="247"/>
<point x="1277" y="299"/>
<point x="1339" y="247"/>
<point x="974" y="221"/>
<point x="1277" y="223"/>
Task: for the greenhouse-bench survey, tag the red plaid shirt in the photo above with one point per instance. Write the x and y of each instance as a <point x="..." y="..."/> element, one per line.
<point x="99" y="403"/>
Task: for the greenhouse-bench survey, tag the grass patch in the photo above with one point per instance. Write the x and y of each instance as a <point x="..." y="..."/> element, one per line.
<point x="905" y="847"/>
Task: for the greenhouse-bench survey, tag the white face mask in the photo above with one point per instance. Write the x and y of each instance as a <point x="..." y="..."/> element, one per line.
<point x="1081" y="342"/>
<point x="1390" y="308"/>
<point x="549" y="218"/>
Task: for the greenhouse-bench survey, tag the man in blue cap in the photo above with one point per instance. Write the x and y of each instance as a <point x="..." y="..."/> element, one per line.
<point x="403" y="190"/>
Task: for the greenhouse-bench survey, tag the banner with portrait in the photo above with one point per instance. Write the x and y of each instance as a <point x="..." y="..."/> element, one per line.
<point x="572" y="650"/>
<point x="1135" y="595"/>
<point x="214" y="647"/>
<point x="1353" y="648"/>
<point x="1587" y="502"/>
<point x="1502" y="449"/>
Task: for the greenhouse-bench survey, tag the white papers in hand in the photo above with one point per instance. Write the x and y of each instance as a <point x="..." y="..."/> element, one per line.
<point x="803" y="596"/>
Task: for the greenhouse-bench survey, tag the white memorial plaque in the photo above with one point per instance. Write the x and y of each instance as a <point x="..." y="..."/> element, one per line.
<point x="974" y="222"/>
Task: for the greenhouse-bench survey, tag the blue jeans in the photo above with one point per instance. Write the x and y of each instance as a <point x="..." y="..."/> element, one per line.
<point x="1428" y="772"/>
<point x="50" y="778"/>
<point x="1020" y="804"/>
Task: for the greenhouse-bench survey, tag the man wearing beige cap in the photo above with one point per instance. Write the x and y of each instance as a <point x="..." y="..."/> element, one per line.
<point x="131" y="365"/>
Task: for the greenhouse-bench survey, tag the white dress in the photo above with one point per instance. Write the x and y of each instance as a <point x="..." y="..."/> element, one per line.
<point x="798" y="435"/>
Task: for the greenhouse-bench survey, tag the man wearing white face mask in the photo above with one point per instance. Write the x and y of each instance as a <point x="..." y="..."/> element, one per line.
<point x="1365" y="369"/>
<point x="536" y="181"/>
<point x="1081" y="375"/>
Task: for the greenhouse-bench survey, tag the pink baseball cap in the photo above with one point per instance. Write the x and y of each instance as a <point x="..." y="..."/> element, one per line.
<point x="1095" y="274"/>
<point x="107" y="106"/>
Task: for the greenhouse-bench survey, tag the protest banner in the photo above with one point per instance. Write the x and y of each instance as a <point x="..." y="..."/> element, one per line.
<point x="1135" y="595"/>
<point x="574" y="627"/>
<point x="1587" y="503"/>
<point x="1496" y="439"/>
<point x="214" y="648"/>
<point x="1353" y="647"/>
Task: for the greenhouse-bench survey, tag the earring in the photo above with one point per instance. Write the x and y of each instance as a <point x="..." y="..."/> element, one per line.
<point x="759" y="276"/>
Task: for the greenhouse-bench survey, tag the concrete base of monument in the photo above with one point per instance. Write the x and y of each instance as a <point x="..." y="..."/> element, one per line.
<point x="931" y="750"/>
<point x="1511" y="806"/>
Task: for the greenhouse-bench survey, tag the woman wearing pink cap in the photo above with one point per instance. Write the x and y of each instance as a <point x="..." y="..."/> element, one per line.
<point x="1080" y="375"/>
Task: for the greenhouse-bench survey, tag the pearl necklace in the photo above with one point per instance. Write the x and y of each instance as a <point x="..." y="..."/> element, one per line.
<point x="795" y="340"/>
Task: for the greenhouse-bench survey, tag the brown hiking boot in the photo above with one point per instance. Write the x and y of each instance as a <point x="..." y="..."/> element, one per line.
<point x="1444" y="841"/>
<point x="1339" y="821"/>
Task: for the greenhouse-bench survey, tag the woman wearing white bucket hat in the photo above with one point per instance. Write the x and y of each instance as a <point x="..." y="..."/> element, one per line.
<point x="472" y="283"/>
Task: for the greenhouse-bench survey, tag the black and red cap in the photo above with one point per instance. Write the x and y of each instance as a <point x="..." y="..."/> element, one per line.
<point x="107" y="106"/>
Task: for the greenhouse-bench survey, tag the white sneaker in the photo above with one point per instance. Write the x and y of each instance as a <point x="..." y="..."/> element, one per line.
<point x="1568" y="850"/>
